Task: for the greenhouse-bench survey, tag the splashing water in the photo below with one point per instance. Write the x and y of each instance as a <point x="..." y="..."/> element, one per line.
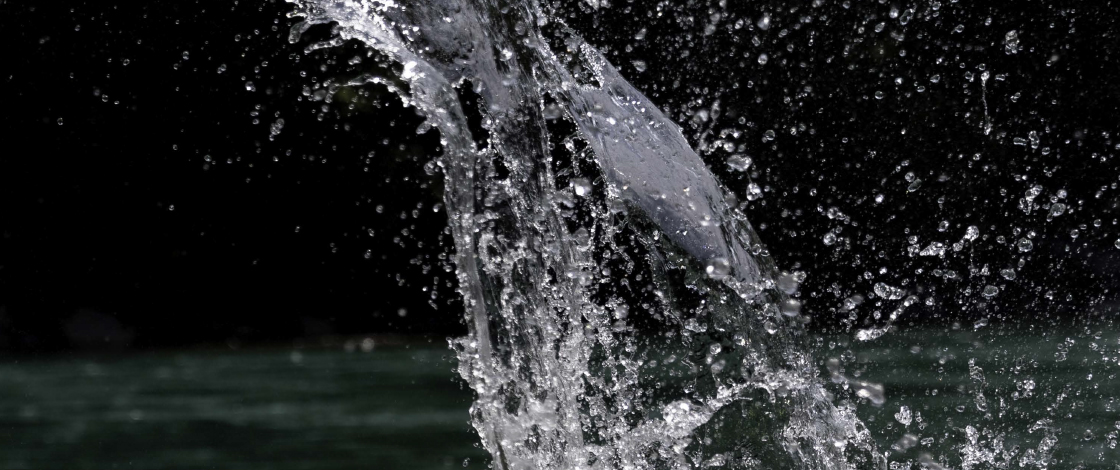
<point x="622" y="313"/>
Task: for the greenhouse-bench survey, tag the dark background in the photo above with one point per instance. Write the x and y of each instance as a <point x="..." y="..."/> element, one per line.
<point x="151" y="197"/>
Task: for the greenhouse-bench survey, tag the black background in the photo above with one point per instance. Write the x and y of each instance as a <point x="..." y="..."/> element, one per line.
<point x="144" y="202"/>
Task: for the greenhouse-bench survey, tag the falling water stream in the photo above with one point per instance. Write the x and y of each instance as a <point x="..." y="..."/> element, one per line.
<point x="622" y="312"/>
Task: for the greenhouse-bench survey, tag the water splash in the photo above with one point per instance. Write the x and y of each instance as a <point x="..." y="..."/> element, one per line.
<point x="622" y="313"/>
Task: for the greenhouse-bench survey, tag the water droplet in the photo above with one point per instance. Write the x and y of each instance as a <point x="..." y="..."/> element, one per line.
<point x="754" y="192"/>
<point x="763" y="59"/>
<point x="764" y="22"/>
<point x="1024" y="245"/>
<point x="879" y="95"/>
<point x="1008" y="274"/>
<point x="868" y="334"/>
<point x="1011" y="42"/>
<point x="903" y="416"/>
<point x="914" y="186"/>
<point x="906" y="16"/>
<point x="934" y="249"/>
<point x="971" y="233"/>
<point x="980" y="323"/>
<point x="739" y="162"/>
<point x="791" y="307"/>
<point x="249" y="86"/>
<point x="60" y="121"/>
<point x="887" y="291"/>
<point x="871" y="391"/>
<point x="788" y="283"/>
<point x="581" y="186"/>
<point x="1056" y="209"/>
<point x="851" y="303"/>
<point x="718" y="268"/>
<point x="990" y="291"/>
<point x="829" y="239"/>
<point x="927" y="462"/>
<point x="275" y="128"/>
<point x="1033" y="192"/>
<point x="222" y="68"/>
<point x="640" y="65"/>
<point x="905" y="443"/>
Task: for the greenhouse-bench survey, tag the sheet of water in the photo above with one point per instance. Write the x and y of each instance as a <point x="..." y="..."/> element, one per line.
<point x="623" y="313"/>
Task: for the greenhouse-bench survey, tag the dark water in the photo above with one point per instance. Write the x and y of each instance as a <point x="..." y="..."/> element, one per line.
<point x="386" y="409"/>
<point x="402" y="408"/>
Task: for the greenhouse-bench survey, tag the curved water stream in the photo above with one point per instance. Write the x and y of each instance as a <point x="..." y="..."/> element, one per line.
<point x="623" y="314"/>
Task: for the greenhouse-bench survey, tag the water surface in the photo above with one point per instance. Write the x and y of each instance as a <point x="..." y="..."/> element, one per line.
<point x="398" y="408"/>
